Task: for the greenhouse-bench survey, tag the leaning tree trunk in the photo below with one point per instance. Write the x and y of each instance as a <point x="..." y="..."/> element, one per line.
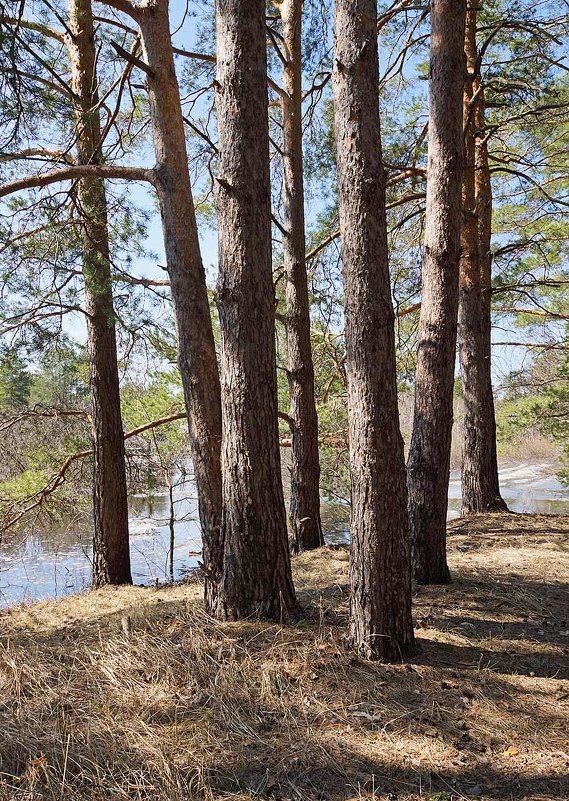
<point x="380" y="605"/>
<point x="196" y="346"/>
<point x="111" y="558"/>
<point x="305" y="467"/>
<point x="257" y="577"/>
<point x="480" y="486"/>
<point x="429" y="455"/>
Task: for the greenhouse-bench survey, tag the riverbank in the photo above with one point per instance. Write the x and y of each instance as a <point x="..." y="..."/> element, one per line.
<point x="134" y="693"/>
<point x="53" y="562"/>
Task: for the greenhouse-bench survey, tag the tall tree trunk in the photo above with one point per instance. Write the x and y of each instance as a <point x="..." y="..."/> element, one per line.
<point x="488" y="464"/>
<point x="380" y="606"/>
<point x="111" y="558"/>
<point x="480" y="485"/>
<point x="429" y="456"/>
<point x="257" y="577"/>
<point x="196" y="346"/>
<point x="305" y="468"/>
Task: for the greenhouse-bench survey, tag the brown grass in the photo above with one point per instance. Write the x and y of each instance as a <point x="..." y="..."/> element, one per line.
<point x="182" y="707"/>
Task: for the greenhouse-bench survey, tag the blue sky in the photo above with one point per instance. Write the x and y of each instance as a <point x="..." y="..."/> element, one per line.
<point x="183" y="21"/>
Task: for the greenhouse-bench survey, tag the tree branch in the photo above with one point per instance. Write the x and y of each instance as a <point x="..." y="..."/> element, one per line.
<point x="42" y="411"/>
<point x="335" y="234"/>
<point x="131" y="58"/>
<point x="77" y="171"/>
<point x="534" y="345"/>
<point x="125" y="6"/>
<point x="58" y="478"/>
<point x="30" y="25"/>
<point x="36" y="152"/>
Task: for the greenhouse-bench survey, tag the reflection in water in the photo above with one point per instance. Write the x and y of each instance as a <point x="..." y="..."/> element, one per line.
<point x="525" y="488"/>
<point x="50" y="563"/>
<point x="44" y="564"/>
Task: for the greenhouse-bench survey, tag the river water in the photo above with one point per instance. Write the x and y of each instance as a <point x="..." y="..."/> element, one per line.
<point x="50" y="563"/>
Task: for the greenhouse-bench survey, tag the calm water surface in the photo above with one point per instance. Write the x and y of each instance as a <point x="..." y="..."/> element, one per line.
<point x="51" y="563"/>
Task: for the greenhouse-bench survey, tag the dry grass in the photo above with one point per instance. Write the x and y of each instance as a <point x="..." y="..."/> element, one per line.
<point x="182" y="707"/>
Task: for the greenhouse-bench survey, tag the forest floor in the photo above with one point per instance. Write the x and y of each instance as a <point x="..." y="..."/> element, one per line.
<point x="167" y="704"/>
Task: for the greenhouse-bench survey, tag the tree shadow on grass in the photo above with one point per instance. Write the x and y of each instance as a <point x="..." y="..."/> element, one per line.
<point x="183" y="707"/>
<point x="477" y="531"/>
<point x="522" y="622"/>
<point x="332" y="771"/>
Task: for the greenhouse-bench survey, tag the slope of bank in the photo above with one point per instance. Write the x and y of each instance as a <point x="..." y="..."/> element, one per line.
<point x="134" y="693"/>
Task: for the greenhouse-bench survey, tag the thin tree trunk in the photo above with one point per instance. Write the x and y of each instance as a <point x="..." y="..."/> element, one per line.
<point x="380" y="606"/>
<point x="171" y="525"/>
<point x="429" y="455"/>
<point x="305" y="467"/>
<point x="480" y="485"/>
<point x="489" y="462"/>
<point x="111" y="558"/>
<point x="257" y="577"/>
<point x="197" y="359"/>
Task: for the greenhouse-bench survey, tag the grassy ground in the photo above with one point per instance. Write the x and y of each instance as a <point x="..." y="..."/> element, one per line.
<point x="166" y="704"/>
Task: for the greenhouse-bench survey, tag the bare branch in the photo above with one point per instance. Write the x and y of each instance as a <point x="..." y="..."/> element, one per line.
<point x="77" y="171"/>
<point x="30" y="25"/>
<point x="125" y="6"/>
<point x="132" y="59"/>
<point x="33" y="152"/>
<point x="58" y="478"/>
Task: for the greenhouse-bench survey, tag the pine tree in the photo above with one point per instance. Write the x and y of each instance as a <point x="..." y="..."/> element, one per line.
<point x="256" y="577"/>
<point x="429" y="456"/>
<point x="380" y="572"/>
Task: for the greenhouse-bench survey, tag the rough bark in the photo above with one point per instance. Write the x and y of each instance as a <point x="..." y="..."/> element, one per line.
<point x="305" y="463"/>
<point x="429" y="455"/>
<point x="111" y="558"/>
<point x="380" y="606"/>
<point x="257" y="576"/>
<point x="480" y="485"/>
<point x="196" y="346"/>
